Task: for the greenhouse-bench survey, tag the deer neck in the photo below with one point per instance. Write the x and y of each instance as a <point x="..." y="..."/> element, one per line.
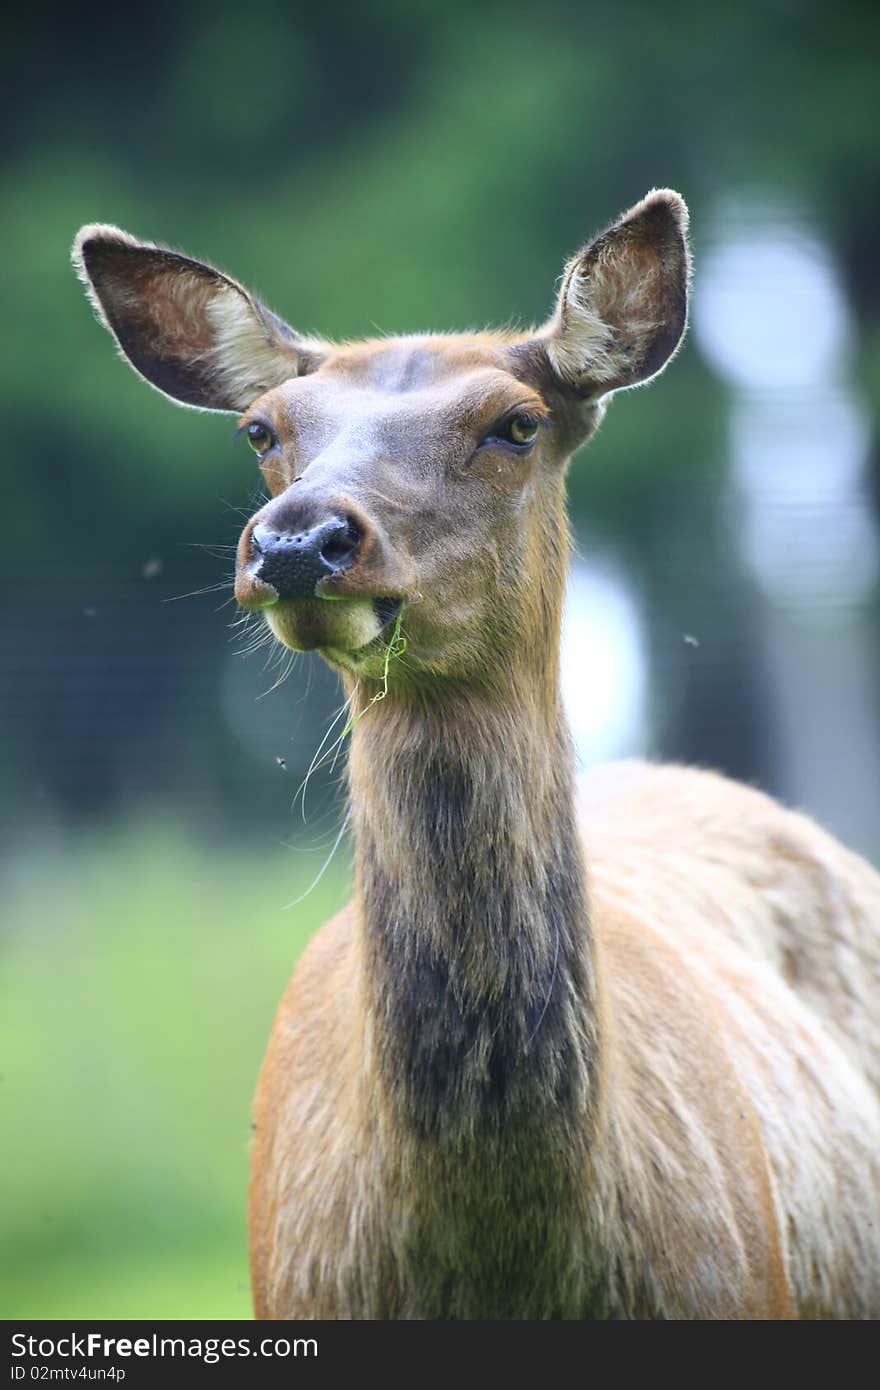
<point x="478" y="971"/>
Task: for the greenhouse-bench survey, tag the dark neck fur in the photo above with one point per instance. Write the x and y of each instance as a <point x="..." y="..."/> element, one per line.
<point x="479" y="983"/>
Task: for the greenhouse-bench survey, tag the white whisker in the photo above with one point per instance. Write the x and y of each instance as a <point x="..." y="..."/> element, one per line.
<point x="316" y="760"/>
<point x="325" y="866"/>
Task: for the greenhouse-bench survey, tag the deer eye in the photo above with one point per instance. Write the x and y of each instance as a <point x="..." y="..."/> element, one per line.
<point x="520" y="430"/>
<point x="260" y="437"/>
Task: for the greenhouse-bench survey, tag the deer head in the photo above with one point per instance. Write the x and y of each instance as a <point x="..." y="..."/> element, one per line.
<point x="425" y="471"/>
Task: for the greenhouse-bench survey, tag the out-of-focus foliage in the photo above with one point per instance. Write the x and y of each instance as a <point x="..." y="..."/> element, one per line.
<point x="384" y="167"/>
<point x="139" y="986"/>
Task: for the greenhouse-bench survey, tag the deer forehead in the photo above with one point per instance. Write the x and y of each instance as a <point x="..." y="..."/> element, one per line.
<point x="401" y="388"/>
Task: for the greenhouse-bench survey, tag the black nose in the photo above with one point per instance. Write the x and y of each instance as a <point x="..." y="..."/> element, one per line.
<point x="294" y="563"/>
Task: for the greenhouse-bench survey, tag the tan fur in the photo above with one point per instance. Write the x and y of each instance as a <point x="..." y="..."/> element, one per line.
<point x="778" y="925"/>
<point x="599" y="1052"/>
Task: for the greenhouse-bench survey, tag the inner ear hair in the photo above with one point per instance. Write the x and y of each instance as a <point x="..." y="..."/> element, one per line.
<point x="622" y="309"/>
<point x="189" y="330"/>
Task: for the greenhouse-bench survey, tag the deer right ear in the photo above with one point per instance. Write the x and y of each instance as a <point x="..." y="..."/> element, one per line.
<point x="622" y="308"/>
<point x="189" y="330"/>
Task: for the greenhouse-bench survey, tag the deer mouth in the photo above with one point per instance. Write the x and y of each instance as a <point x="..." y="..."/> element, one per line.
<point x="386" y="610"/>
<point x="343" y="626"/>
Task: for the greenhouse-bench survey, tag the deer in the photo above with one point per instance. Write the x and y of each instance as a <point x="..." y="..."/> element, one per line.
<point x="579" y="1047"/>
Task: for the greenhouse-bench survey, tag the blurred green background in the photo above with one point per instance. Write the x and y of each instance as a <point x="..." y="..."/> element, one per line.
<point x="397" y="167"/>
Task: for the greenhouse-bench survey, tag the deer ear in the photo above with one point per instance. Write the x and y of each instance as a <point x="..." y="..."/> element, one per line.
<point x="189" y="330"/>
<point x="622" y="308"/>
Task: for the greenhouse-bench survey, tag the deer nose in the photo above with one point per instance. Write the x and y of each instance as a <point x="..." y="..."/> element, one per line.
<point x="295" y="562"/>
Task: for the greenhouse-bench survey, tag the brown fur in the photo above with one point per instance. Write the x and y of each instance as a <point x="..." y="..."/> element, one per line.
<point x="568" y="1053"/>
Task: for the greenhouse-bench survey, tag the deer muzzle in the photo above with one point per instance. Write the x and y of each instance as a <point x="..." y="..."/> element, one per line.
<point x="294" y="559"/>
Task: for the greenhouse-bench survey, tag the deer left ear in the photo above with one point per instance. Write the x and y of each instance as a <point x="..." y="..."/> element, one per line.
<point x="622" y="308"/>
<point x="186" y="328"/>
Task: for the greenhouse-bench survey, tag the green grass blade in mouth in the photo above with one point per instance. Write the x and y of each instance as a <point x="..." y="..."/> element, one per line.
<point x="394" y="649"/>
